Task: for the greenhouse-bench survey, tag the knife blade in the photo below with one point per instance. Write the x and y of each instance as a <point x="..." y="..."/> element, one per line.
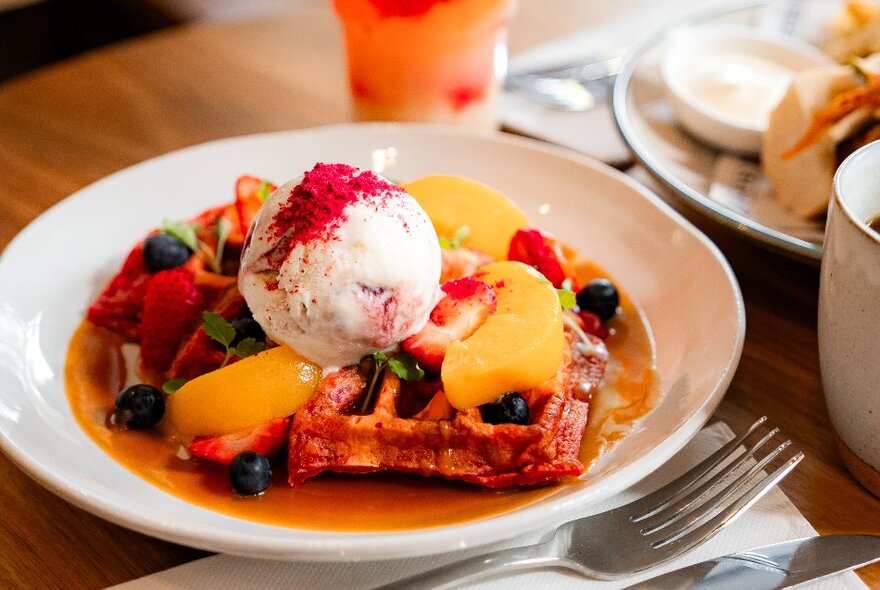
<point x="773" y="567"/>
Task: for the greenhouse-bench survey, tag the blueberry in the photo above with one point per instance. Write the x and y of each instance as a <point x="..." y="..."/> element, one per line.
<point x="139" y="406"/>
<point x="599" y="297"/>
<point x="510" y="408"/>
<point x="162" y="252"/>
<point x="250" y="473"/>
<point x="247" y="327"/>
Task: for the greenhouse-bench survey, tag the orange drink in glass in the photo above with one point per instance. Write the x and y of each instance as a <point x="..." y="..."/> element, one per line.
<point x="425" y="60"/>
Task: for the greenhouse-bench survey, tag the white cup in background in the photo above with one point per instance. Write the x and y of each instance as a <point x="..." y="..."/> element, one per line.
<point x="849" y="315"/>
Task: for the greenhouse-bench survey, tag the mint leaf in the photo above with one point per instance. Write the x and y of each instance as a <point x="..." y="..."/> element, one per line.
<point x="406" y="367"/>
<point x="222" y="232"/>
<point x="172" y="385"/>
<point x="247" y="347"/>
<point x="567" y="298"/>
<point x="263" y="192"/>
<point x="218" y="329"/>
<point x="380" y="357"/>
<point x="454" y="243"/>
<point x="185" y="232"/>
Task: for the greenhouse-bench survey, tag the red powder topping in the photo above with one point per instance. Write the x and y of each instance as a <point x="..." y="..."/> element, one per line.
<point x="316" y="206"/>
<point x="499" y="284"/>
<point x="463" y="96"/>
<point x="462" y="288"/>
<point x="404" y="8"/>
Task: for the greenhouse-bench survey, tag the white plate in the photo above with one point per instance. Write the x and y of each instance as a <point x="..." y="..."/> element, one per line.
<point x="51" y="271"/>
<point x="691" y="168"/>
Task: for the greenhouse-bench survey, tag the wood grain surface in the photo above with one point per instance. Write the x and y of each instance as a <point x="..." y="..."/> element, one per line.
<point x="70" y="124"/>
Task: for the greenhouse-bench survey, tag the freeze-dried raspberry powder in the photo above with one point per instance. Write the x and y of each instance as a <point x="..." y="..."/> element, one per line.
<point x="316" y="206"/>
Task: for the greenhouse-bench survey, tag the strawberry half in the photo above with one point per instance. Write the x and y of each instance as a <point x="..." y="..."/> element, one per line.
<point x="541" y="251"/>
<point x="265" y="439"/>
<point x="591" y="324"/>
<point x="120" y="304"/>
<point x="171" y="307"/>
<point x="466" y="305"/>
<point x="461" y="262"/>
<point x="247" y="199"/>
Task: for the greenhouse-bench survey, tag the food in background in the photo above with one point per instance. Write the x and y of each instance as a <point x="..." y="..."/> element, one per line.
<point x="854" y="31"/>
<point x="826" y="114"/>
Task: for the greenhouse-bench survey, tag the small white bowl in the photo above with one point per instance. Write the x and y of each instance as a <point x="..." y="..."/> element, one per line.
<point x="723" y="80"/>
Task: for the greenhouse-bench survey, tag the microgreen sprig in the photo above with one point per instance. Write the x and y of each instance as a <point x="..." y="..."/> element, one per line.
<point x="567" y="298"/>
<point x="402" y="364"/>
<point x="454" y="243"/>
<point x="568" y="318"/>
<point x="185" y="232"/>
<point x="172" y="385"/>
<point x="263" y="192"/>
<point x="222" y="233"/>
<point x="221" y="331"/>
<point x="188" y="234"/>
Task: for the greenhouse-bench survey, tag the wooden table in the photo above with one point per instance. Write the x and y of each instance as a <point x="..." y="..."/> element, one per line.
<point x="70" y="124"/>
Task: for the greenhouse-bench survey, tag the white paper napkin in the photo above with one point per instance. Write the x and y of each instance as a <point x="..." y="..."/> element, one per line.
<point x="773" y="519"/>
<point x="593" y="132"/>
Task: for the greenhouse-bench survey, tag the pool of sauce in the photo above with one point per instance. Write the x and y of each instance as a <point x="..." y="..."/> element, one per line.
<point x="96" y="370"/>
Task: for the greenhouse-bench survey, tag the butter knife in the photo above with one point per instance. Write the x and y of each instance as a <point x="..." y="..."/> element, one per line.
<point x="773" y="567"/>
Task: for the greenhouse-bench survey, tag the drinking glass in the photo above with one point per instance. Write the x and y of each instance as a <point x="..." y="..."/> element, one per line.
<point x="435" y="61"/>
<point x="849" y="315"/>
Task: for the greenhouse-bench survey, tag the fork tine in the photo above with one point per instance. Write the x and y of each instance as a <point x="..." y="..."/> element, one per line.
<point x="670" y="511"/>
<point x="684" y="518"/>
<point x="679" y="543"/>
<point x="677" y="488"/>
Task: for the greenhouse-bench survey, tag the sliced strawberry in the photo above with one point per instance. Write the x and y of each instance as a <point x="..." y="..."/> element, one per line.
<point x="591" y="324"/>
<point x="466" y="305"/>
<point x="171" y="307"/>
<point x="247" y="199"/>
<point x="119" y="305"/>
<point x="460" y="263"/>
<point x="199" y="354"/>
<point x="265" y="439"/>
<point x="542" y="251"/>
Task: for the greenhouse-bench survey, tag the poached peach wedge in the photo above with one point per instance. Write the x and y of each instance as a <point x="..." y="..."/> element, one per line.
<point x="453" y="202"/>
<point x="517" y="348"/>
<point x="255" y="390"/>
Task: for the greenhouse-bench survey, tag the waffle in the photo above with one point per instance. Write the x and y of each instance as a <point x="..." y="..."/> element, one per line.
<point x="411" y="428"/>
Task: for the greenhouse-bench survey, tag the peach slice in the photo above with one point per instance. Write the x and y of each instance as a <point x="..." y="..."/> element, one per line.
<point x="255" y="390"/>
<point x="453" y="201"/>
<point x="517" y="348"/>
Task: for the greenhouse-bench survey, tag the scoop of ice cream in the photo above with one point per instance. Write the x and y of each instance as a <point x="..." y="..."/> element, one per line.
<point x="340" y="263"/>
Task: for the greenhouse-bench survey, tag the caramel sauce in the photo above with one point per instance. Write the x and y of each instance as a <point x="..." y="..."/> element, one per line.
<point x="631" y="386"/>
<point x="95" y="372"/>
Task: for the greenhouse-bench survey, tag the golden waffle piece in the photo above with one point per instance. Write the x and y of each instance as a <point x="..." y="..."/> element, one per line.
<point x="412" y="428"/>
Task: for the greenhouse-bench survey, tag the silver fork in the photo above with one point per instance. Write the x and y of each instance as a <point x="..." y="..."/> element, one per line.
<point x="578" y="87"/>
<point x="644" y="533"/>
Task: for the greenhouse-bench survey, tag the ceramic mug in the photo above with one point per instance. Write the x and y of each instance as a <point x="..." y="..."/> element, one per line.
<point x="849" y="315"/>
